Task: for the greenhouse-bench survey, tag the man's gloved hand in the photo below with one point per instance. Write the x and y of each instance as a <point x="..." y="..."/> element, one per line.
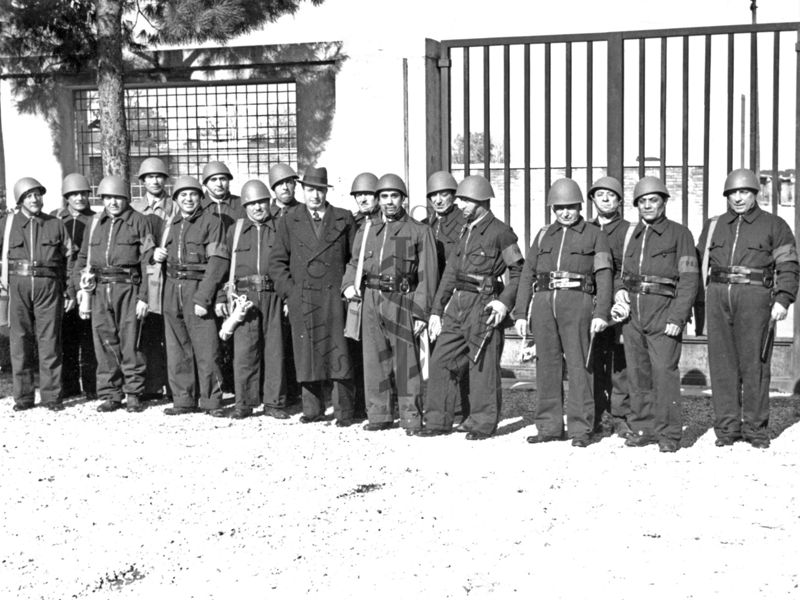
<point x="499" y="312"/>
<point x="434" y="327"/>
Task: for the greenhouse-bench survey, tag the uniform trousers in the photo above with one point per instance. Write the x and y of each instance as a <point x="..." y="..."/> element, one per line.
<point x="36" y="310"/>
<point x="155" y="352"/>
<point x="317" y="394"/>
<point x="79" y="364"/>
<point x="192" y="349"/>
<point x="610" y="376"/>
<point x="560" y="324"/>
<point x="120" y="363"/>
<point x="738" y="316"/>
<point x="464" y="330"/>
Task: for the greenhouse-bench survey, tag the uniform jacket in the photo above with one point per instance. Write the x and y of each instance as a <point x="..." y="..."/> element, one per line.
<point x="400" y="248"/>
<point x="487" y="249"/>
<point x="48" y="244"/>
<point x="76" y="225"/>
<point x="282" y="210"/>
<point x="664" y="249"/>
<point x="160" y="211"/>
<point x="228" y="209"/>
<point x="760" y="240"/>
<point x="308" y="274"/>
<point x="580" y="248"/>
<point x="446" y="230"/>
<point x="616" y="230"/>
<point x="123" y="242"/>
<point x="200" y="240"/>
<point x="252" y="252"/>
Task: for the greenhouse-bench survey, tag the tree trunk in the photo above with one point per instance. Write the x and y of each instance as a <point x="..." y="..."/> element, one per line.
<point x="114" y="142"/>
<point x="3" y="202"/>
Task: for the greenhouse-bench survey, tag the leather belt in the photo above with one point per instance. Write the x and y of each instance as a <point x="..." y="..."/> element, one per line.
<point x="650" y="284"/>
<point x="117" y="275"/>
<point x="255" y="283"/>
<point x="35" y="268"/>
<point x="388" y="283"/>
<point x="740" y="274"/>
<point x="191" y="272"/>
<point x="564" y="280"/>
<point x="478" y="284"/>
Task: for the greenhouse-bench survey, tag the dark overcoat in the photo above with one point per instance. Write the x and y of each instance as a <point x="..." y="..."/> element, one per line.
<point x="308" y="271"/>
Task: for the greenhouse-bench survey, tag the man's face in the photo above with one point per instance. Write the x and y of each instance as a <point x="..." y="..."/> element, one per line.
<point x="567" y="214"/>
<point x="391" y="203"/>
<point x="78" y="200"/>
<point x="257" y="211"/>
<point x="651" y="207"/>
<point x="32" y="201"/>
<point x="315" y="196"/>
<point x="154" y="183"/>
<point x="742" y="200"/>
<point x="188" y="200"/>
<point x="218" y="186"/>
<point x="284" y="190"/>
<point x="470" y="208"/>
<point x="606" y="202"/>
<point x="366" y="202"/>
<point x="442" y="200"/>
<point x="114" y="205"/>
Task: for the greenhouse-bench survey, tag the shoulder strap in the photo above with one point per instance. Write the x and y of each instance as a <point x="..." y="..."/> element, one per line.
<point x="540" y="235"/>
<point x="704" y="273"/>
<point x="628" y="236"/>
<point x="165" y="234"/>
<point x="6" y="237"/>
<point x="237" y="233"/>
<point x="362" y="250"/>
<point x="95" y="221"/>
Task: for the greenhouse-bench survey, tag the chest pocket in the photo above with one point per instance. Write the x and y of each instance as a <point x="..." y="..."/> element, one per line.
<point x="126" y="247"/>
<point x="481" y="259"/>
<point x="195" y="246"/>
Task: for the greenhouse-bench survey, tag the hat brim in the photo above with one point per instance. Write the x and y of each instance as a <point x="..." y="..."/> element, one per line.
<point x="315" y="184"/>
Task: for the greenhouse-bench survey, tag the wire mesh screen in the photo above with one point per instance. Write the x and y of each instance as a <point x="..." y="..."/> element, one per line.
<point x="247" y="126"/>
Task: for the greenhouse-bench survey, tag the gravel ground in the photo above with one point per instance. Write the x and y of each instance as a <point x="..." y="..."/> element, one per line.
<point x="145" y="506"/>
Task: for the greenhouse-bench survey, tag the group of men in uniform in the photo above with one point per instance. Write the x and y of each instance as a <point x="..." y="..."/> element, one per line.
<point x="379" y="313"/>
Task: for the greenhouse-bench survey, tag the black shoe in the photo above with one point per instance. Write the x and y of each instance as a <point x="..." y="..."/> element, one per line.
<point x="305" y="420"/>
<point x="383" y="426"/>
<point x="90" y="396"/>
<point x="55" y="406"/>
<point x="241" y="412"/>
<point x="582" y="441"/>
<point x="622" y="429"/>
<point x="541" y="438"/>
<point x="476" y="436"/>
<point x="275" y="412"/>
<point x="180" y="410"/>
<point x="761" y="444"/>
<point x="668" y="445"/>
<point x="109" y="406"/>
<point x="25" y="406"/>
<point x="432" y="432"/>
<point x="411" y="431"/>
<point x="640" y="440"/>
<point x="344" y="422"/>
<point x="721" y="442"/>
<point x="132" y="404"/>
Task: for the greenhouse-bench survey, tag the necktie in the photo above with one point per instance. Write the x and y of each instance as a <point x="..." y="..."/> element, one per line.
<point x="317" y="222"/>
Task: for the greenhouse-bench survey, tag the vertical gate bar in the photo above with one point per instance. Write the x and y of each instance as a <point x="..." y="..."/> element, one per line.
<point x="487" y="137"/>
<point x="444" y="87"/>
<point x="467" y="143"/>
<point x="589" y="124"/>
<point x="642" y="105"/>
<point x="776" y="81"/>
<point x="685" y="135"/>
<point x="706" y="125"/>
<point x="796" y="337"/>
<point x="568" y="113"/>
<point x="615" y="106"/>
<point x="663" y="116"/>
<point x="547" y="173"/>
<point x="754" y="128"/>
<point x="526" y="176"/>
<point x="730" y="104"/>
<point x="507" y="132"/>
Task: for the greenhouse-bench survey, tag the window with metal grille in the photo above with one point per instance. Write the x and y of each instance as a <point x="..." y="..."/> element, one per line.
<point x="247" y="126"/>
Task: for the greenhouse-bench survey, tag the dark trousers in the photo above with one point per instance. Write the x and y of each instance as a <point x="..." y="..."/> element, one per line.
<point x="737" y="318"/>
<point x="36" y="307"/>
<point x="610" y="376"/>
<point x="192" y="349"/>
<point x="292" y="387"/>
<point x="79" y="363"/>
<point x="258" y="354"/>
<point x="561" y="321"/>
<point x="653" y="376"/>
<point x="120" y="364"/>
<point x="155" y="352"/>
<point x="463" y="332"/>
<point x="317" y="394"/>
<point x="391" y="359"/>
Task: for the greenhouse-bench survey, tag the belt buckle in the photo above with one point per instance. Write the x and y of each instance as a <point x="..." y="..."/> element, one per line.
<point x="404" y="285"/>
<point x="737" y="277"/>
<point x="557" y="283"/>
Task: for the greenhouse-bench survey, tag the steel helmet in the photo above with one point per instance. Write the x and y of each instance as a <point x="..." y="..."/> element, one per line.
<point x="216" y="167"/>
<point x="390" y="181"/>
<point x="607" y="183"/>
<point x="75" y="182"/>
<point x="152" y="166"/>
<point x="25" y="185"/>
<point x="741" y="179"/>
<point x="254" y="191"/>
<point x="475" y="187"/>
<point x="441" y="181"/>
<point x="564" y="192"/>
<point x="185" y="182"/>
<point x="649" y="185"/>
<point x="365" y="183"/>
<point x="114" y="185"/>
<point x="280" y="172"/>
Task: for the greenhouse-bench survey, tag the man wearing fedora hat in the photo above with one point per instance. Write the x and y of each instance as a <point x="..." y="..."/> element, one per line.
<point x="307" y="263"/>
